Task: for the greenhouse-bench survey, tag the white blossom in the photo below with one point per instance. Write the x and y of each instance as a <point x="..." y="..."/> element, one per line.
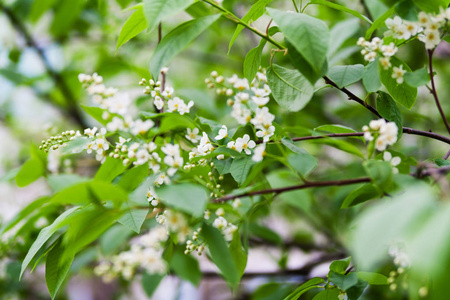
<point x="223" y="133"/>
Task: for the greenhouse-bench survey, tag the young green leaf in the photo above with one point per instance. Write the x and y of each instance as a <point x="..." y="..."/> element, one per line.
<point x="135" y="24"/>
<point x="373" y="278"/>
<point x="252" y="61"/>
<point x="303" y="66"/>
<point x="178" y="39"/>
<point x="379" y="22"/>
<point x="240" y="168"/>
<point x="418" y="77"/>
<point x="361" y="194"/>
<point x="303" y="163"/>
<point x="403" y="94"/>
<point x="43" y="237"/>
<point x="75" y="146"/>
<point x="310" y="36"/>
<point x="110" y="169"/>
<point x="132" y="178"/>
<point x="371" y="77"/>
<point x="221" y="255"/>
<point x="188" y="197"/>
<point x="157" y="10"/>
<point x="113" y="238"/>
<point x="328" y="294"/>
<point x="186" y="267"/>
<point x="238" y="252"/>
<point x="346" y="75"/>
<point x="380" y="172"/>
<point x="56" y="268"/>
<point x="340" y="266"/>
<point x="388" y="109"/>
<point x="289" y="87"/>
<point x="255" y="12"/>
<point x="341" y="8"/>
<point x="150" y="283"/>
<point x="341" y="32"/>
<point x="431" y="5"/>
<point x="303" y="288"/>
<point x="30" y="171"/>
<point x="342" y="281"/>
<point x="133" y="218"/>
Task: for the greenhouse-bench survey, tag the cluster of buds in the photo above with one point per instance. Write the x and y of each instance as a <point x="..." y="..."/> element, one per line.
<point x="57" y="141"/>
<point x="382" y="132"/>
<point x="195" y="244"/>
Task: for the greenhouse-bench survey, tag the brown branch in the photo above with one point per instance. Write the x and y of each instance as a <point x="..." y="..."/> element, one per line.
<point x="72" y="110"/>
<point x="447" y="155"/>
<point x="352" y="96"/>
<point x="406" y="130"/>
<point x="434" y="92"/>
<point x="278" y="191"/>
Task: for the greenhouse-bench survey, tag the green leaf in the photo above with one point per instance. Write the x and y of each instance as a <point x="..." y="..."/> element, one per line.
<point x="114" y="238"/>
<point x="310" y="36"/>
<point x="65" y="15"/>
<point x="157" y="10"/>
<point x="361" y="194"/>
<point x="371" y="77"/>
<point x="336" y="128"/>
<point x="340" y="266"/>
<point x="303" y="163"/>
<point x="188" y="197"/>
<point x="346" y="75"/>
<point x="75" y="146"/>
<point x="252" y="61"/>
<point x="132" y="178"/>
<point x="388" y="109"/>
<point x="134" y="218"/>
<point x="39" y="7"/>
<point x="178" y="39"/>
<point x="240" y="168"/>
<point x="379" y="22"/>
<point x="344" y="282"/>
<point x="173" y="121"/>
<point x="303" y="288"/>
<point x="303" y="66"/>
<point x="110" y="169"/>
<point x="418" y="77"/>
<point x="238" y="252"/>
<point x="60" y="182"/>
<point x="56" y="268"/>
<point x="30" y="171"/>
<point x="221" y="255"/>
<point x="150" y="282"/>
<point x="376" y="7"/>
<point x="373" y="278"/>
<point x="340" y="144"/>
<point x="255" y="12"/>
<point x="135" y="24"/>
<point x="403" y="94"/>
<point x="380" y="172"/>
<point x="265" y="233"/>
<point x="431" y="5"/>
<point x="290" y="88"/>
<point x="43" y="237"/>
<point x="328" y="294"/>
<point x="341" y="32"/>
<point x="186" y="267"/>
<point x="341" y="8"/>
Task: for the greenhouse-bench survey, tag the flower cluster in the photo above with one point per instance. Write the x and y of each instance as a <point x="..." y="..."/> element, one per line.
<point x="175" y="223"/>
<point x="427" y="28"/>
<point x="164" y="95"/>
<point x="227" y="228"/>
<point x="375" y="48"/>
<point x="382" y="132"/>
<point x="145" y="253"/>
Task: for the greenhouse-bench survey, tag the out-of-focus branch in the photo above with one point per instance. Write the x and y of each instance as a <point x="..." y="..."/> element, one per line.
<point x="72" y="110"/>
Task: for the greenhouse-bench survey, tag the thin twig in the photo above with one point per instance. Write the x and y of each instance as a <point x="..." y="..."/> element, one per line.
<point x="72" y="109"/>
<point x="278" y="191"/>
<point x="447" y="155"/>
<point x="434" y="92"/>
